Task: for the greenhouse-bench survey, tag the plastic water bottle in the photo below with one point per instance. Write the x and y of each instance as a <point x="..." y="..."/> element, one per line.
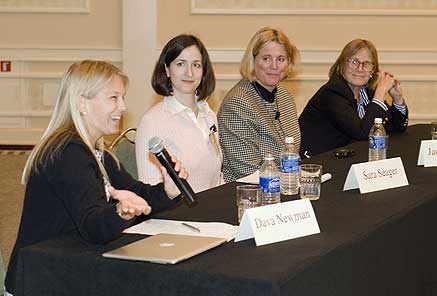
<point x="289" y="168"/>
<point x="269" y="181"/>
<point x="378" y="141"/>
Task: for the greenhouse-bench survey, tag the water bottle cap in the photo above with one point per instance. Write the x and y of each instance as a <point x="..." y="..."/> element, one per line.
<point x="269" y="156"/>
<point x="289" y="140"/>
<point x="378" y="120"/>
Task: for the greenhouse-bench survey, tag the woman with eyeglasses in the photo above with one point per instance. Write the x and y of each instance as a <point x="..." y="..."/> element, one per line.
<point x="343" y="110"/>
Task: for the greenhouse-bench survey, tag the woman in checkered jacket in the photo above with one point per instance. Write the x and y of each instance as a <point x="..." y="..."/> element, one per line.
<point x="258" y="113"/>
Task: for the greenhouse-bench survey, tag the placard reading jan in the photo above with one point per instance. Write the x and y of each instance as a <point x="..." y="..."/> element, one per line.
<point x="427" y="153"/>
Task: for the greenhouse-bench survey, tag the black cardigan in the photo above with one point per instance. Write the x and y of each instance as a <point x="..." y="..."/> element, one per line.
<point x="330" y="119"/>
<point x="68" y="196"/>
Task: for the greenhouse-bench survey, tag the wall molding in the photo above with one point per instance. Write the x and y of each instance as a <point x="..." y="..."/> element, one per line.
<point x="58" y="54"/>
<point x="328" y="56"/>
<point x="45" y="6"/>
<point x="218" y="55"/>
<point x="255" y="9"/>
<point x="309" y="12"/>
<point x="312" y="77"/>
<point x="20" y="55"/>
<point x="25" y="113"/>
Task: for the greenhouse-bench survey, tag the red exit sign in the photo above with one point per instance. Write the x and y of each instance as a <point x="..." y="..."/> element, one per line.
<point x="5" y="66"/>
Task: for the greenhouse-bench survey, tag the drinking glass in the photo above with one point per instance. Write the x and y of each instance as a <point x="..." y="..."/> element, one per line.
<point x="434" y="130"/>
<point x="248" y="196"/>
<point x="310" y="181"/>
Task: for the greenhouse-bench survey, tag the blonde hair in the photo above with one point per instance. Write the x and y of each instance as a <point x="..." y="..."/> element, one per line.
<point x="261" y="38"/>
<point x="348" y="51"/>
<point x="82" y="79"/>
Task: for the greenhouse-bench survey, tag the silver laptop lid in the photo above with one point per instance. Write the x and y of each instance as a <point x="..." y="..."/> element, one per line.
<point x="165" y="248"/>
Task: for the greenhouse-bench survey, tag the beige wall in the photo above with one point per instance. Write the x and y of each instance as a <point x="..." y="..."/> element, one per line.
<point x="401" y="30"/>
<point x="41" y="41"/>
<point x="41" y="45"/>
<point x="101" y="27"/>
<point x="307" y="31"/>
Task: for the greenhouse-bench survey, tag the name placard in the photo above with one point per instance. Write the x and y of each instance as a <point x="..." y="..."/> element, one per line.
<point x="278" y="222"/>
<point x="376" y="175"/>
<point x="427" y="153"/>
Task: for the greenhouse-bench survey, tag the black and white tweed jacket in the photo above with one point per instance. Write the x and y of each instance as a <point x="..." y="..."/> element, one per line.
<point x="249" y="128"/>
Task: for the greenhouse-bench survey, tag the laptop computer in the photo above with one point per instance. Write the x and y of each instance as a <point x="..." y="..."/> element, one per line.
<point x="165" y="248"/>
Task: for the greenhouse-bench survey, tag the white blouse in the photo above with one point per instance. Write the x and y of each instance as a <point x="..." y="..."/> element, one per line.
<point x="191" y="139"/>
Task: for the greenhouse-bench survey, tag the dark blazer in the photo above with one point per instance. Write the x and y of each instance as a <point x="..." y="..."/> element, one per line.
<point x="330" y="119"/>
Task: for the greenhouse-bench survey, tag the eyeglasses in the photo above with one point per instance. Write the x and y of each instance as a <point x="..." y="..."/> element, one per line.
<point x="355" y="64"/>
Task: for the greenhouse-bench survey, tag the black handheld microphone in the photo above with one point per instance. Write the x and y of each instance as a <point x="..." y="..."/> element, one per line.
<point x="157" y="147"/>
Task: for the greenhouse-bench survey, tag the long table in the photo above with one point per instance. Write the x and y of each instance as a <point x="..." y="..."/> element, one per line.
<point x="379" y="243"/>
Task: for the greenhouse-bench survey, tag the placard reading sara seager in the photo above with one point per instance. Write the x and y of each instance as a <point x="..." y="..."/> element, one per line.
<point x="376" y="175"/>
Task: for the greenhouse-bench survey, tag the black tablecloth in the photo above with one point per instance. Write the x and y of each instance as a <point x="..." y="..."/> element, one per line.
<point x="379" y="243"/>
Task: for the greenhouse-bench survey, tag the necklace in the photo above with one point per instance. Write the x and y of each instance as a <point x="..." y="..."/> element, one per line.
<point x="106" y="183"/>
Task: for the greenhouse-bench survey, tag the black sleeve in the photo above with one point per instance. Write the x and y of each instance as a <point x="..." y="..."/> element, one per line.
<point x="397" y="122"/>
<point x="342" y="114"/>
<point x="155" y="195"/>
<point x="79" y="184"/>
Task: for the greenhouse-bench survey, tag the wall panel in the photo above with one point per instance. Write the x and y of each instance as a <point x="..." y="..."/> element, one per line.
<point x="415" y="69"/>
<point x="45" y="6"/>
<point x="29" y="90"/>
<point x="44" y="40"/>
<point x="401" y="30"/>
<point x="314" y="7"/>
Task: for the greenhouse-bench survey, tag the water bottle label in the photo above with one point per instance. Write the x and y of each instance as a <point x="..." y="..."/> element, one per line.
<point x="270" y="184"/>
<point x="377" y="142"/>
<point x="290" y="165"/>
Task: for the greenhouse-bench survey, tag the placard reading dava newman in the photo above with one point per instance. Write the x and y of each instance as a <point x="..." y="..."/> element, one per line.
<point x="376" y="175"/>
<point x="278" y="222"/>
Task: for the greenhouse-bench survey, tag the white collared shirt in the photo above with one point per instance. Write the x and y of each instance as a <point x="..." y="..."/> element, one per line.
<point x="171" y="104"/>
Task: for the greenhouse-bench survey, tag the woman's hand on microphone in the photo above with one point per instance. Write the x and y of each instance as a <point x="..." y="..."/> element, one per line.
<point x="169" y="186"/>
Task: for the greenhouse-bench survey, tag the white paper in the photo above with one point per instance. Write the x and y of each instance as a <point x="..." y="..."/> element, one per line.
<point x="326" y="177"/>
<point x="278" y="222"/>
<point x="155" y="226"/>
<point x="252" y="179"/>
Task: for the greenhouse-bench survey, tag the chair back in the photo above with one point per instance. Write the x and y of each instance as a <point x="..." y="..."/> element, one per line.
<point x="123" y="147"/>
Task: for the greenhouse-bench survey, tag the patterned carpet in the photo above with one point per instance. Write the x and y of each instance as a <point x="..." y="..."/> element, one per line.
<point x="11" y="198"/>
